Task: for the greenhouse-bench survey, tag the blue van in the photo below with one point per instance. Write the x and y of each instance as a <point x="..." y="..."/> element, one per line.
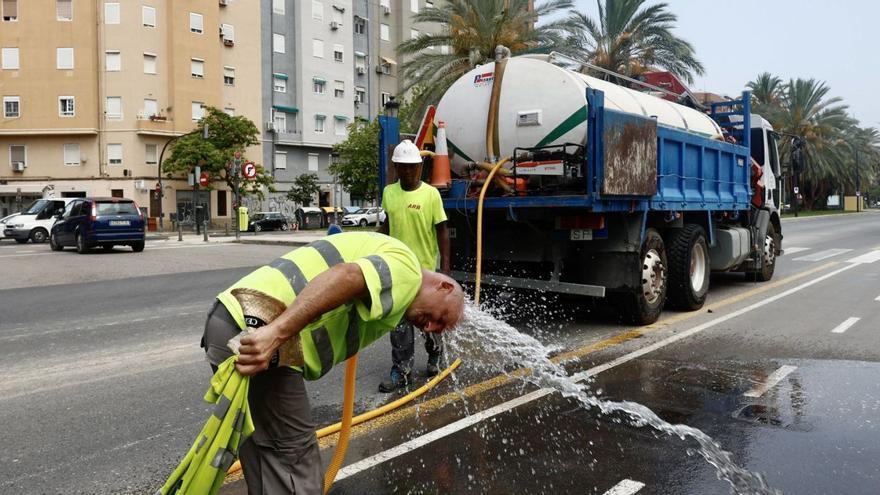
<point x="89" y="222"/>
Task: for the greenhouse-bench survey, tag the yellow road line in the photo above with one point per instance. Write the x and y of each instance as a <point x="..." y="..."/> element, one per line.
<point x="493" y="383"/>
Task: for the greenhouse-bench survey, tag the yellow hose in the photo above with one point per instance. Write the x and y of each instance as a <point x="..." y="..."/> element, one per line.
<point x="347" y="413"/>
<point x="480" y="227"/>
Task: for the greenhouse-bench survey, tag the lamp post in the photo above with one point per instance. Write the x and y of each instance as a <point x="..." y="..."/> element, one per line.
<point x="204" y="132"/>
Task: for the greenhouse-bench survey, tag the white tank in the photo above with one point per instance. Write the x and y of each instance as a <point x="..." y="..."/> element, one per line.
<point x="537" y="98"/>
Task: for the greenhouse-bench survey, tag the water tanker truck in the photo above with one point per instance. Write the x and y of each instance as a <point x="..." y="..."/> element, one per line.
<point x="607" y="191"/>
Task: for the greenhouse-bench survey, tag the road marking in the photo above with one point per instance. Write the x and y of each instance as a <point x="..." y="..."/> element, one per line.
<point x="852" y="320"/>
<point x="625" y="487"/>
<point x="771" y="381"/>
<point x="821" y="255"/>
<point x="868" y="257"/>
<point x="877" y="298"/>
<point x="795" y="250"/>
<point x="418" y="442"/>
<point x="18" y="255"/>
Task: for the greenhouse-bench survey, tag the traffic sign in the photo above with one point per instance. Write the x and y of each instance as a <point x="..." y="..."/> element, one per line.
<point x="249" y="170"/>
<point x="204" y="179"/>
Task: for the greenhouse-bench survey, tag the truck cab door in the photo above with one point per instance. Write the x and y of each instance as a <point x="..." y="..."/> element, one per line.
<point x="771" y="170"/>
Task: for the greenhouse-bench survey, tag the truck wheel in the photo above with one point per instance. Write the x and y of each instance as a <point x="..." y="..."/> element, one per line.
<point x="688" y="268"/>
<point x="643" y="306"/>
<point x="39" y="236"/>
<point x="768" y="258"/>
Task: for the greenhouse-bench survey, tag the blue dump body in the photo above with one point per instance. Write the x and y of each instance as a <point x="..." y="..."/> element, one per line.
<point x="635" y="165"/>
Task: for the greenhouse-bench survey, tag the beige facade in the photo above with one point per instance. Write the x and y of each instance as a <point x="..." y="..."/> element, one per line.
<point x="140" y="71"/>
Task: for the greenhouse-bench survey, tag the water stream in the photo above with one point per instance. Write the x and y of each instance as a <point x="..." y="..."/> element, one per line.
<point x="491" y="345"/>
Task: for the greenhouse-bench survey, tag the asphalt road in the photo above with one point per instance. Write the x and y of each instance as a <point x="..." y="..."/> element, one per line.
<point x="103" y="380"/>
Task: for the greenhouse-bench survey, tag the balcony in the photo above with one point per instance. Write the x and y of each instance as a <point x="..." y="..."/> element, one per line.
<point x="156" y="126"/>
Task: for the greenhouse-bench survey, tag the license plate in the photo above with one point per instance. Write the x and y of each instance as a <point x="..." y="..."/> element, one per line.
<point x="581" y="235"/>
<point x="119" y="223"/>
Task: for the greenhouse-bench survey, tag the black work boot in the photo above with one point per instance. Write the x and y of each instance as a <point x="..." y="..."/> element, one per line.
<point x="433" y="365"/>
<point x="396" y="381"/>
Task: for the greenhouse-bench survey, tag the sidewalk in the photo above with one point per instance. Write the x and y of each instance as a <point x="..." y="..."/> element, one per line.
<point x="299" y="238"/>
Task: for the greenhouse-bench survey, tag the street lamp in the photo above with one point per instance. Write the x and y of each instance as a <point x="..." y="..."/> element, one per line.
<point x="392" y="107"/>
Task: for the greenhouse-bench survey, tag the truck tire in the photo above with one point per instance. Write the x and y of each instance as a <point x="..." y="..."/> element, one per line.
<point x="39" y="236"/>
<point x="688" y="254"/>
<point x="768" y="258"/>
<point x="643" y="306"/>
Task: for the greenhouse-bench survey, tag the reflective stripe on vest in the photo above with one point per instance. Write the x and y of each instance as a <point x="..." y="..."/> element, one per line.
<point x="384" y="272"/>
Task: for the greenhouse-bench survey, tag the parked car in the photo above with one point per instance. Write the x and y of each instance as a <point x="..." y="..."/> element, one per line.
<point x="107" y="222"/>
<point x="268" y="220"/>
<point x="364" y="217"/>
<point x="35" y="221"/>
<point x="3" y="222"/>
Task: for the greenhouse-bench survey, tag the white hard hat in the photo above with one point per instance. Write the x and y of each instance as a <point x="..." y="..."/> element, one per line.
<point x="406" y="152"/>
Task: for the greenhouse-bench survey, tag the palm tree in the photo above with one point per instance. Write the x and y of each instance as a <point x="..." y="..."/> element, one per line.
<point x="767" y="93"/>
<point x="470" y="32"/>
<point x="629" y="38"/>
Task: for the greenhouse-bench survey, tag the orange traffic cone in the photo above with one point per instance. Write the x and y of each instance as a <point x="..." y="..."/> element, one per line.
<point x="440" y="174"/>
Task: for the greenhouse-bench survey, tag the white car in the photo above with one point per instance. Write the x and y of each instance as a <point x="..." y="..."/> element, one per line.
<point x="364" y="217"/>
<point x="3" y="223"/>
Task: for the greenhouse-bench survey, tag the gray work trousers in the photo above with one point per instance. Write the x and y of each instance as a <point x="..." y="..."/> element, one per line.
<point x="403" y="346"/>
<point x="282" y="455"/>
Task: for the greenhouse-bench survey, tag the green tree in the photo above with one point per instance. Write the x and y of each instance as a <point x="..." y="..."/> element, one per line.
<point x="226" y="135"/>
<point x="470" y="33"/>
<point x="768" y="92"/>
<point x="358" y="166"/>
<point x="630" y="38"/>
<point x="304" y="189"/>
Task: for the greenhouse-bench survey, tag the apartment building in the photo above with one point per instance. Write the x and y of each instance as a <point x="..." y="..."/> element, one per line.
<point x="93" y="91"/>
<point x="326" y="63"/>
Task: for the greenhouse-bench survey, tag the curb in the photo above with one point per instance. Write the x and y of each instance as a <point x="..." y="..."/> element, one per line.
<point x="273" y="242"/>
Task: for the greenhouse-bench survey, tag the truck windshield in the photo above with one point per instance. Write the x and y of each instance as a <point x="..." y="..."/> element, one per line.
<point x="36" y="207"/>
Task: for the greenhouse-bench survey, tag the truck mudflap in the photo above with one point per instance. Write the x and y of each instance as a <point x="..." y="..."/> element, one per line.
<point x="532" y="284"/>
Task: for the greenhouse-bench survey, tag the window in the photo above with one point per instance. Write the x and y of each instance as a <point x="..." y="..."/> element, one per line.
<point x="229" y="76"/>
<point x="360" y="25"/>
<point x="66" y="106"/>
<point x="340" y="123"/>
<point x="337" y="53"/>
<point x="64" y="10"/>
<point x="151" y="154"/>
<point x="280" y="161"/>
<point x="227" y="32"/>
<point x="222" y="210"/>
<point x="196" y="23"/>
<point x="111" y="13"/>
<point x="277" y="43"/>
<point x="112" y="61"/>
<point x="116" y="193"/>
<point x="229" y="111"/>
<point x="319" y="86"/>
<point x="384" y="32"/>
<point x="360" y="94"/>
<point x="151" y="107"/>
<point x="339" y="89"/>
<point x="18" y="154"/>
<point x="11" y="107"/>
<point x="414" y="34"/>
<point x="313" y="162"/>
<point x="148" y="14"/>
<point x="9" y="58"/>
<point x="317" y="10"/>
<point x="318" y="48"/>
<point x="71" y="155"/>
<point x="414" y="6"/>
<point x="360" y="60"/>
<point x="279" y="83"/>
<point x="149" y="63"/>
<point x="114" y="108"/>
<point x="197" y="68"/>
<point x="114" y="153"/>
<point x="10" y="10"/>
<point x="319" y="123"/>
<point x="280" y="120"/>
<point x="386" y="97"/>
<point x="197" y="111"/>
<point x="64" y="58"/>
<point x="386" y="67"/>
<point x="278" y="6"/>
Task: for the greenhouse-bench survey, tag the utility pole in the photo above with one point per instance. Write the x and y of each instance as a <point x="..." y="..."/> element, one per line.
<point x="858" y="181"/>
<point x="197" y="171"/>
<point x="236" y="194"/>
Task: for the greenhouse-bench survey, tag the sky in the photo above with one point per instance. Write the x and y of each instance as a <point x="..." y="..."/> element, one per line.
<point x="836" y="42"/>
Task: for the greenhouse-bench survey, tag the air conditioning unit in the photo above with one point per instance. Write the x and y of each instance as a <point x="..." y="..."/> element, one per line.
<point x="334" y="25"/>
<point x="386" y="10"/>
<point x="270" y="126"/>
<point x="141" y="185"/>
<point x="18" y="166"/>
<point x="362" y="70"/>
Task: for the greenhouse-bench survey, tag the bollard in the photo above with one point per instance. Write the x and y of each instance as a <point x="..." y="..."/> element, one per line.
<point x="179" y="231"/>
<point x="205" y="229"/>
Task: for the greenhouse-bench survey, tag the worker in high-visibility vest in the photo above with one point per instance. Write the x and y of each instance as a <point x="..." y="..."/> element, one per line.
<point x="342" y="293"/>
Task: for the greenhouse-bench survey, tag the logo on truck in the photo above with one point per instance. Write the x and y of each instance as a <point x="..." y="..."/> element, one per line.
<point x="484" y="79"/>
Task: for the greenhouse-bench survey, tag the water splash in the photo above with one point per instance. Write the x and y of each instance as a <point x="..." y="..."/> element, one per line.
<point x="493" y="345"/>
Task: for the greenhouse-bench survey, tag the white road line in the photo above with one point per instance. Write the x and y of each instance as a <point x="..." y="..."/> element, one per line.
<point x="852" y="320"/>
<point x="795" y="250"/>
<point x="625" y="487"/>
<point x="19" y="255"/>
<point x="771" y="381"/>
<point x="868" y="257"/>
<point x="877" y="298"/>
<point x="821" y="255"/>
<point x="418" y="442"/>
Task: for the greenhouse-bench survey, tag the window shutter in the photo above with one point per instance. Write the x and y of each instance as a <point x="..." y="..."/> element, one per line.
<point x="64" y="10"/>
<point x="71" y="154"/>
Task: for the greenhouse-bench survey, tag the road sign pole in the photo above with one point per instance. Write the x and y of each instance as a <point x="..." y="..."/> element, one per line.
<point x="236" y="196"/>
